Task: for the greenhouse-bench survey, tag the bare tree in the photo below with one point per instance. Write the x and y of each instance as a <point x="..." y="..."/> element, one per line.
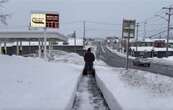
<point x="3" y="17"/>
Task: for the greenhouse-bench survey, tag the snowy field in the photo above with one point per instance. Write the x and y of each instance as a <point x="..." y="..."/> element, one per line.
<point x="134" y="89"/>
<point x="33" y="84"/>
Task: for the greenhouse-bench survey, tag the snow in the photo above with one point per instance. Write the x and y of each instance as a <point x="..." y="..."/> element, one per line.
<point x="23" y="43"/>
<point x="148" y="48"/>
<point x="142" y="48"/>
<point x="119" y="53"/>
<point x="134" y="89"/>
<point x="79" y="41"/>
<point x="164" y="60"/>
<point x="152" y="40"/>
<point x="32" y="83"/>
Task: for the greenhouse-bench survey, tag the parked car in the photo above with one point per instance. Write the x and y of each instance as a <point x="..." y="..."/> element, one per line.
<point x="141" y="62"/>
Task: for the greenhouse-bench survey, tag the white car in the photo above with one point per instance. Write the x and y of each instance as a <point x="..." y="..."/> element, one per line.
<point x="141" y="62"/>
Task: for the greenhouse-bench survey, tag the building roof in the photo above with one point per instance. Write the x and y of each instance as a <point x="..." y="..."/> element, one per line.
<point x="14" y="35"/>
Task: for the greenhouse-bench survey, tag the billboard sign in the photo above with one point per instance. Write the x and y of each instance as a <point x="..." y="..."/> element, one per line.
<point x="45" y="20"/>
<point x="38" y="20"/>
<point x="128" y="28"/>
<point x="52" y="20"/>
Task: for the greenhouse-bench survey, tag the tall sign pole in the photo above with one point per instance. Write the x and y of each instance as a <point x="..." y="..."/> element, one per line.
<point x="127" y="59"/>
<point x="128" y="31"/>
<point x="137" y="33"/>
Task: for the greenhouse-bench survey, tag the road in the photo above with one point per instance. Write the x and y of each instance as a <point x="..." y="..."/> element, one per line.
<point x="89" y="96"/>
<point x="114" y="60"/>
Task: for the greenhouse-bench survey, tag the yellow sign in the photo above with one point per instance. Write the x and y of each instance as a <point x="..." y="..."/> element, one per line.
<point x="38" y="20"/>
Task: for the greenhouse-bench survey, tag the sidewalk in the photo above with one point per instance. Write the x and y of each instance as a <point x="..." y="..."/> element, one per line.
<point x="135" y="90"/>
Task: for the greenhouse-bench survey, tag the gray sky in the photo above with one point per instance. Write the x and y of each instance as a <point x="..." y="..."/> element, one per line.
<point x="100" y="15"/>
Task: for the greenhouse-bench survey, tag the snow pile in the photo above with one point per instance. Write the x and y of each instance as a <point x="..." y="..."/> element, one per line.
<point x="60" y="56"/>
<point x="33" y="84"/>
<point x="73" y="58"/>
<point x="135" y="90"/>
<point x="165" y="61"/>
<point x="119" y="53"/>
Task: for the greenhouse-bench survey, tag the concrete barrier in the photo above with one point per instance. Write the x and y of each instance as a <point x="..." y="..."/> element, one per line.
<point x="110" y="99"/>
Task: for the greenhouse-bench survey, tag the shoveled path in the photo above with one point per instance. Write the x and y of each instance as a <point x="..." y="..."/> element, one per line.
<point x="89" y="96"/>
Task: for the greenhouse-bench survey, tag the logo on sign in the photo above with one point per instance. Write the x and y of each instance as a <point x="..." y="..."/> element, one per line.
<point x="38" y="20"/>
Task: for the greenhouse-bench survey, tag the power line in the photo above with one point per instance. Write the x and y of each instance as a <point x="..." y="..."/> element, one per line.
<point x="156" y="34"/>
<point x="102" y="23"/>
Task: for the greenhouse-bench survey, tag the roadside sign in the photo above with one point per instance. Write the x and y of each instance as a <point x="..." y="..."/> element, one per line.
<point x="38" y="20"/>
<point x="128" y="31"/>
<point x="52" y="20"/>
<point x="45" y="20"/>
<point x="128" y="28"/>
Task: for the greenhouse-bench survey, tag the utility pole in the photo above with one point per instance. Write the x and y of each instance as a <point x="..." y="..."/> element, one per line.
<point x="145" y="33"/>
<point x="74" y="36"/>
<point x="137" y="32"/>
<point x="168" y="28"/>
<point x="45" y="44"/>
<point x="127" y="58"/>
<point x="84" y="24"/>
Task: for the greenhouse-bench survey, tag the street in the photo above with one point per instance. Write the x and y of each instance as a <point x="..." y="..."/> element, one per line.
<point x="114" y="60"/>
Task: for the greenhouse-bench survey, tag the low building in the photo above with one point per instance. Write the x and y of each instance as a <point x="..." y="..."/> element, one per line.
<point x="19" y="42"/>
<point x="150" y="48"/>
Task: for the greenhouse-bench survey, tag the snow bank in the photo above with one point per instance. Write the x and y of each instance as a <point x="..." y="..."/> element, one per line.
<point x="164" y="60"/>
<point x="33" y="84"/>
<point x="135" y="90"/>
<point x="119" y="53"/>
<point x="65" y="57"/>
<point x="109" y="97"/>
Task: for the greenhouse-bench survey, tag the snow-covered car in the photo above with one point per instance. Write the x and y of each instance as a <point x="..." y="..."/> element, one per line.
<point x="141" y="62"/>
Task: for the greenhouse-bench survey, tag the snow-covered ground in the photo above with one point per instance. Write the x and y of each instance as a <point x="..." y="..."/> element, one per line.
<point x="119" y="53"/>
<point x="33" y="84"/>
<point x="135" y="90"/>
<point x="165" y="60"/>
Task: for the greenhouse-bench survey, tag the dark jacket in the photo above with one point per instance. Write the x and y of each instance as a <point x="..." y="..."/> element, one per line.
<point x="89" y="57"/>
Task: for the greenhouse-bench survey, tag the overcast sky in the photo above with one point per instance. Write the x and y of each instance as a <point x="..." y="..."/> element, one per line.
<point x="103" y="17"/>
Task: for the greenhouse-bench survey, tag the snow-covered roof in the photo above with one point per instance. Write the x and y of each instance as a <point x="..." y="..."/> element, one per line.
<point x="31" y="34"/>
